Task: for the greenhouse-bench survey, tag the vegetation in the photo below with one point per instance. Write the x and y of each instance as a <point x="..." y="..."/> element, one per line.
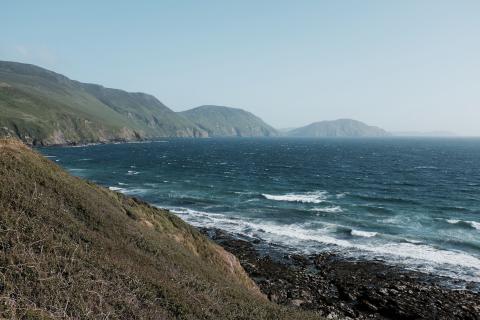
<point x="338" y="128"/>
<point x="70" y="249"/>
<point x="42" y="107"/>
<point x="221" y="121"/>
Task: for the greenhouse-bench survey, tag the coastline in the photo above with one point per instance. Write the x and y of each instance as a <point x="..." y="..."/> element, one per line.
<point x="338" y="288"/>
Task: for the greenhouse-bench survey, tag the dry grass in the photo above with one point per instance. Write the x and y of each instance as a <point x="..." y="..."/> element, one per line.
<point x="72" y="250"/>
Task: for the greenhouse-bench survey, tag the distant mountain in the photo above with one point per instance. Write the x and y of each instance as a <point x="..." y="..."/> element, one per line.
<point x="424" y="134"/>
<point x="338" y="128"/>
<point x="221" y="121"/>
<point x="42" y="107"/>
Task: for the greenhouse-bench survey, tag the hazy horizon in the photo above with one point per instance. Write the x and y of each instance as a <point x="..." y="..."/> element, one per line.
<point x="409" y="66"/>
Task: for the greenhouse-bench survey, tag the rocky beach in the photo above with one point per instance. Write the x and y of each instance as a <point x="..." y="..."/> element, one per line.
<point x="340" y="289"/>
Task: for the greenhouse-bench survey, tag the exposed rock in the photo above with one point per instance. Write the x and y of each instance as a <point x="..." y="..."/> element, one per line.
<point x="340" y="288"/>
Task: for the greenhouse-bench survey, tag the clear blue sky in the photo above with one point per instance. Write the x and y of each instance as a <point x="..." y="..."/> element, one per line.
<point x="402" y="65"/>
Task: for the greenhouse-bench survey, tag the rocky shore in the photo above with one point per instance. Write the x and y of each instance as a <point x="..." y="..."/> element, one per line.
<point x="340" y="289"/>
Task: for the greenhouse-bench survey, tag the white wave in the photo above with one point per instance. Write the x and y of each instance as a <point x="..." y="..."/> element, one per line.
<point x="473" y="224"/>
<point x="76" y="169"/>
<point x="135" y="191"/>
<point x="244" y="192"/>
<point x="413" y="241"/>
<point x="116" y="189"/>
<point x="122" y="184"/>
<point x="427" y="253"/>
<point x="453" y="221"/>
<point x="132" y="172"/>
<point x="308" y="197"/>
<point x="187" y="211"/>
<point x="365" y="234"/>
<point x="129" y="191"/>
<point x="50" y="156"/>
<point x="411" y="253"/>
<point x="426" y="167"/>
<point x="334" y="209"/>
<point x="299" y="232"/>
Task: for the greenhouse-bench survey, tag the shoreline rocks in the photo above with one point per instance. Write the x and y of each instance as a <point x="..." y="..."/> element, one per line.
<point x="338" y="288"/>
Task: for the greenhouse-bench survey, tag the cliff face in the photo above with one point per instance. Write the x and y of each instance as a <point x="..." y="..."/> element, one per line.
<point x="221" y="121"/>
<point x="43" y="108"/>
<point x="72" y="250"/>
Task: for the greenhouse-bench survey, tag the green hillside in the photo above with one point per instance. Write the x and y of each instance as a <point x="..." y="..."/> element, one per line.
<point x="221" y="121"/>
<point x="42" y="107"/>
<point x="72" y="250"/>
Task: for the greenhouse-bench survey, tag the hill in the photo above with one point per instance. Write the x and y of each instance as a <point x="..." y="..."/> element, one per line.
<point x="42" y="107"/>
<point x="338" y="128"/>
<point x="70" y="249"/>
<point x="221" y="121"/>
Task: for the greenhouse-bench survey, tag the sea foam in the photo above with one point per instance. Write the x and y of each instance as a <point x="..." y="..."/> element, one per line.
<point x="365" y="234"/>
<point x="333" y="209"/>
<point x="116" y="189"/>
<point x="300" y="235"/>
<point x="308" y="197"/>
<point x="472" y="224"/>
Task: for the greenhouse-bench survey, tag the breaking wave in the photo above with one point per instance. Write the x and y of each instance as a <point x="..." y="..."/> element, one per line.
<point x="308" y="197"/>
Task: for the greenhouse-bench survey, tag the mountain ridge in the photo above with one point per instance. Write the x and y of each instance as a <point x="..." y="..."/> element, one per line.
<point x="42" y="107"/>
<point x="338" y="128"/>
<point x="222" y="121"/>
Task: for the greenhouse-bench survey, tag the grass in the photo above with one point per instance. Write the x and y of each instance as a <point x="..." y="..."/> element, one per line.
<point x="70" y="249"/>
<point x="42" y="107"/>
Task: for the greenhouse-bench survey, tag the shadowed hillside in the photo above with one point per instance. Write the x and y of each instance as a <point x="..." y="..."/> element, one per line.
<point x="221" y="121"/>
<point x="42" y="107"/>
<point x="72" y="250"/>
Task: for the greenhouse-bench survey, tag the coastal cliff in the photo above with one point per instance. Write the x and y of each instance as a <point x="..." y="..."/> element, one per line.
<point x="43" y="108"/>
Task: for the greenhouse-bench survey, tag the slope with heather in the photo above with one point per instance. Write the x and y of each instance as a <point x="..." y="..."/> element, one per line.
<point x="70" y="249"/>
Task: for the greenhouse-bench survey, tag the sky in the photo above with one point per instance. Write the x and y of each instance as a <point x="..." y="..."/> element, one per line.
<point x="410" y="65"/>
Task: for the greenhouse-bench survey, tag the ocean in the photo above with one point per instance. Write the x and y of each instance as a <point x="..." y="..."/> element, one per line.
<point x="408" y="202"/>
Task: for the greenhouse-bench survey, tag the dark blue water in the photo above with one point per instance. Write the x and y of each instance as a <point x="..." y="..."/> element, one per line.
<point x="411" y="202"/>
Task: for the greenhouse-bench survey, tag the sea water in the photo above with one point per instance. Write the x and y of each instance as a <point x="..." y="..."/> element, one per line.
<point x="408" y="202"/>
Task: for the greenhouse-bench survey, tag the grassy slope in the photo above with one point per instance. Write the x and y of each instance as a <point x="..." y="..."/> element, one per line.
<point x="145" y="111"/>
<point x="41" y="106"/>
<point x="225" y="121"/>
<point x="71" y="249"/>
